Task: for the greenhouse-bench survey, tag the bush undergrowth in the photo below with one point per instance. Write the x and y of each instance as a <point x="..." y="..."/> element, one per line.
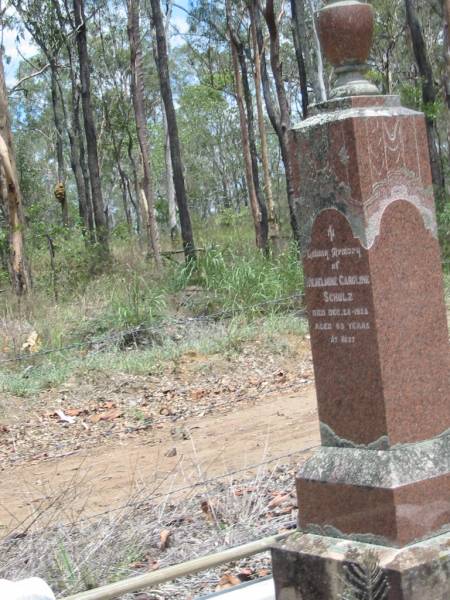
<point x="231" y="280"/>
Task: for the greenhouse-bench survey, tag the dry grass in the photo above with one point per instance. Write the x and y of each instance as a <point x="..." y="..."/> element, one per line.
<point x="75" y="553"/>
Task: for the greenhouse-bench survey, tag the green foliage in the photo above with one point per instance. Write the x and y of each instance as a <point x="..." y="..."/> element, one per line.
<point x="411" y="96"/>
<point x="444" y="231"/>
<point x="228" y="218"/>
<point x="236" y="283"/>
<point x="129" y="301"/>
<point x="29" y="379"/>
<point x="73" y="261"/>
<point x="68" y="572"/>
<point x="221" y="80"/>
<point x="232" y="281"/>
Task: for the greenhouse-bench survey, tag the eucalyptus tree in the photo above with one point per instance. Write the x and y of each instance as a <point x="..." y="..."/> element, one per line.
<point x="446" y="24"/>
<point x="74" y="128"/>
<point x="170" y="188"/>
<point x="234" y="30"/>
<point x="246" y="115"/>
<point x="298" y="35"/>
<point x="388" y="51"/>
<point x="40" y="19"/>
<point x="137" y="94"/>
<point x="162" y="61"/>
<point x="101" y="223"/>
<point x="279" y="110"/>
<point x="209" y="127"/>
<point x="429" y="92"/>
<point x="273" y="228"/>
<point x="11" y="196"/>
<point x="110" y="54"/>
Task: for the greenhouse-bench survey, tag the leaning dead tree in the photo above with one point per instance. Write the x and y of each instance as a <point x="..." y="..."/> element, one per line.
<point x="11" y="196"/>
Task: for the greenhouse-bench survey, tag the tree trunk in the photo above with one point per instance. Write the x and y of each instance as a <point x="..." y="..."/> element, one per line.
<point x="170" y="188"/>
<point x="261" y="225"/>
<point x="428" y="95"/>
<point x="78" y="175"/>
<point x="101" y="223"/>
<point x="280" y="118"/>
<point x="80" y="167"/>
<point x="87" y="184"/>
<point x="20" y="273"/>
<point x="59" y="144"/>
<point x="274" y="232"/>
<point x="298" y="36"/>
<point x="137" y="94"/>
<point x="175" y="149"/>
<point x="75" y="132"/>
<point x="318" y="71"/>
<point x="253" y="200"/>
<point x="116" y="150"/>
<point x="140" y="216"/>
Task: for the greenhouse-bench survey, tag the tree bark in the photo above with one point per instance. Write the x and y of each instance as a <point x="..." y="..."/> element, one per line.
<point x="429" y="94"/>
<point x="59" y="144"/>
<point x="245" y="144"/>
<point x="447" y="50"/>
<point x="297" y="35"/>
<point x="170" y="189"/>
<point x="175" y="148"/>
<point x="87" y="182"/>
<point x="137" y="94"/>
<point x="19" y="269"/>
<point x="140" y="215"/>
<point x="171" y="201"/>
<point x="279" y="116"/>
<point x="79" y="165"/>
<point x="274" y="232"/>
<point x="101" y="223"/>
<point x="75" y="164"/>
<point x="75" y="133"/>
<point x="262" y="226"/>
<point x="245" y="137"/>
<point x="310" y="62"/>
<point x="116" y="149"/>
<point x="318" y="71"/>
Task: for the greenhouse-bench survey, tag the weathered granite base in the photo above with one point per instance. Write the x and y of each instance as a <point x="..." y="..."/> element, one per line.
<point x="390" y="497"/>
<point x="311" y="567"/>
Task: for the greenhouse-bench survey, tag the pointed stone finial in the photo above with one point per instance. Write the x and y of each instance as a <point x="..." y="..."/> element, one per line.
<point x="346" y="33"/>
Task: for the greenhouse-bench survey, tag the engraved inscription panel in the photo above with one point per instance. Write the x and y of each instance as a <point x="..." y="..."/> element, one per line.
<point x="336" y="282"/>
<point x="339" y="299"/>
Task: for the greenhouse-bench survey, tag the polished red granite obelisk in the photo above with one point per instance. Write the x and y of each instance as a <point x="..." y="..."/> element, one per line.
<point x="377" y="316"/>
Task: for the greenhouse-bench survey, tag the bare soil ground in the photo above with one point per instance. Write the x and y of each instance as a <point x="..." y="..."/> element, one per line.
<point x="91" y="444"/>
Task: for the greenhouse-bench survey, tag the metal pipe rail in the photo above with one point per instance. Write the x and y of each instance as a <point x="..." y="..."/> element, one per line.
<point x="134" y="584"/>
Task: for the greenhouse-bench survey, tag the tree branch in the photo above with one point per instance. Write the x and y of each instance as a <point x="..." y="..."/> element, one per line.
<point x="27" y="77"/>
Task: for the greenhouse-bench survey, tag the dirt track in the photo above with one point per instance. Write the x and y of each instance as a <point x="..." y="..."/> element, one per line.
<point x="101" y="479"/>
